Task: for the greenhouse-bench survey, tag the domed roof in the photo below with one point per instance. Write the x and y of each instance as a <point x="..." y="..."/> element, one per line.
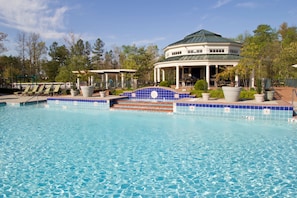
<point x="203" y="36"/>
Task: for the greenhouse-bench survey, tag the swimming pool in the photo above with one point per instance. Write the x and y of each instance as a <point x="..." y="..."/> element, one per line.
<point x="66" y="153"/>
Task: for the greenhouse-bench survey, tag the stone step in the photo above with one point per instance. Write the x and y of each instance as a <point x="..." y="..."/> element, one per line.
<point x="143" y="102"/>
<point x="143" y="106"/>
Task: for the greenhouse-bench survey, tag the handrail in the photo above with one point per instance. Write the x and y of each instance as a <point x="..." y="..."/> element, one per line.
<point x="294" y="91"/>
<point x="36" y="95"/>
<point x="29" y="99"/>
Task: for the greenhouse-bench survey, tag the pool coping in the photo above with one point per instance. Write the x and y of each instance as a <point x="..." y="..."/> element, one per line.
<point x="24" y="100"/>
<point x="189" y="102"/>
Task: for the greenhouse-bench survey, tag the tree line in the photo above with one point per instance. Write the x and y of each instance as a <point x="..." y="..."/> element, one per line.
<point x="56" y="62"/>
<point x="267" y="53"/>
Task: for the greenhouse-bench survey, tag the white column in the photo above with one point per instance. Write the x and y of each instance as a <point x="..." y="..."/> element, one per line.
<point x="207" y="74"/>
<point x="92" y="80"/>
<point x="77" y="83"/>
<point x="102" y="81"/>
<point x="177" y="77"/>
<point x="163" y="75"/>
<point x="183" y="77"/>
<point x="116" y="81"/>
<point x="158" y="75"/>
<point x="155" y="76"/>
<point x="252" y="79"/>
<point x="217" y="71"/>
<point x="106" y="80"/>
<point x="236" y="78"/>
<point x="122" y="80"/>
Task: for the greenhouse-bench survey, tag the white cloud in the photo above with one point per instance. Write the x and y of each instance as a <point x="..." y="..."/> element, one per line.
<point x="148" y="41"/>
<point x="220" y="3"/>
<point x="33" y="16"/>
<point x="246" y="5"/>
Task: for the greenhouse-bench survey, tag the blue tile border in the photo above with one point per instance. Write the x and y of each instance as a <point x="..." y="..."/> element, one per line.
<point x="79" y="103"/>
<point x="157" y="94"/>
<point x="210" y="105"/>
<point x="78" y="100"/>
<point x="251" y="112"/>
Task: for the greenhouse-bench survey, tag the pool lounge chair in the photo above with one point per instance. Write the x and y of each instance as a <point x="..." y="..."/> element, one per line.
<point x="47" y="91"/>
<point x="27" y="89"/>
<point x="56" y="89"/>
<point x="40" y="90"/>
<point x="33" y="91"/>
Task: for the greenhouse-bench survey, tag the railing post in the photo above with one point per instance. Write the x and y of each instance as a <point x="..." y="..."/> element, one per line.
<point x="294" y="91"/>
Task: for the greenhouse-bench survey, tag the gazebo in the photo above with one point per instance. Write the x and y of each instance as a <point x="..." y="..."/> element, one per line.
<point x="198" y="56"/>
<point x="105" y="75"/>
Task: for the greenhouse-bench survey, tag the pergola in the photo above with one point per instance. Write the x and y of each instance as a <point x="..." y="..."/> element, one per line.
<point x="199" y="54"/>
<point x="105" y="78"/>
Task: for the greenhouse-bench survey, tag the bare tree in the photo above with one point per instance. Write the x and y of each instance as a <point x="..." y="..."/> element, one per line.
<point x="21" y="48"/>
<point x="35" y="49"/>
<point x="2" y="38"/>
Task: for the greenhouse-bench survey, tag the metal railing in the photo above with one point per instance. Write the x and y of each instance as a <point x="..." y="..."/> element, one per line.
<point x="32" y="98"/>
<point x="294" y="93"/>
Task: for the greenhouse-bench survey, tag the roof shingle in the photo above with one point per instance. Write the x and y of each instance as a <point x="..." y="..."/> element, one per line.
<point x="203" y="36"/>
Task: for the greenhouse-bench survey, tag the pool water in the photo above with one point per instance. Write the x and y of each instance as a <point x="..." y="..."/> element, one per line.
<point x="63" y="153"/>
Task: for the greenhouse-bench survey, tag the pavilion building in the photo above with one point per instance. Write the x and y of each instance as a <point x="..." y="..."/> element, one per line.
<point x="200" y="55"/>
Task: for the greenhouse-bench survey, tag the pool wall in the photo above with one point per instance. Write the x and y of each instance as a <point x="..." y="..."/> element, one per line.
<point x="156" y="93"/>
<point x="250" y="112"/>
<point x="78" y="103"/>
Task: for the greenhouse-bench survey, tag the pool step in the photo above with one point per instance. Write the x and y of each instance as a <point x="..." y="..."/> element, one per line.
<point x="143" y="106"/>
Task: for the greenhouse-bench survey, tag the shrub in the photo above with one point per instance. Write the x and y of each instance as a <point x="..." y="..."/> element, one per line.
<point x="217" y="93"/>
<point x="201" y="85"/>
<point x="259" y="86"/>
<point x="164" y="83"/>
<point x="197" y="93"/>
<point x="247" y="94"/>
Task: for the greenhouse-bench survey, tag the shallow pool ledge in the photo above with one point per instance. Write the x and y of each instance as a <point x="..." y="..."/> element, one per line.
<point x="94" y="103"/>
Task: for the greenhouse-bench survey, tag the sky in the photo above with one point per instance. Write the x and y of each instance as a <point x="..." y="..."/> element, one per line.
<point x="139" y="22"/>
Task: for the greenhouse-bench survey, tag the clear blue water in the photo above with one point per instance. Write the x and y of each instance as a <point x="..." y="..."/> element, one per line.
<point x="62" y="153"/>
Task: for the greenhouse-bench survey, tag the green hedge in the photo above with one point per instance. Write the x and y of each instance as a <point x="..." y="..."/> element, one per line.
<point x="218" y="93"/>
<point x="164" y="83"/>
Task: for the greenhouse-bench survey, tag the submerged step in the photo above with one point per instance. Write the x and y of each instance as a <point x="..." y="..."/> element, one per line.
<point x="143" y="106"/>
<point x="143" y="109"/>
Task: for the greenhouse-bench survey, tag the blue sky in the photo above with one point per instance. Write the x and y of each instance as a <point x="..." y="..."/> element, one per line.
<point x="140" y="22"/>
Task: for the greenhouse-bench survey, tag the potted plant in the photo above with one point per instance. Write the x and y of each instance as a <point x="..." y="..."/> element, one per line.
<point x="202" y="85"/>
<point x="231" y="92"/>
<point x="259" y="96"/>
<point x="87" y="89"/>
<point x="74" y="91"/>
<point x="102" y="94"/>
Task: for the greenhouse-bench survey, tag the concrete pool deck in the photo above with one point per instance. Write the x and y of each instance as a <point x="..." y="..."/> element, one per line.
<point x="30" y="99"/>
<point x="184" y="105"/>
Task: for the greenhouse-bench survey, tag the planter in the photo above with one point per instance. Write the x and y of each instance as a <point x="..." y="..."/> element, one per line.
<point x="269" y="95"/>
<point x="102" y="94"/>
<point x="205" y="96"/>
<point x="259" y="97"/>
<point x="231" y="94"/>
<point x="87" y="91"/>
<point x="74" y="92"/>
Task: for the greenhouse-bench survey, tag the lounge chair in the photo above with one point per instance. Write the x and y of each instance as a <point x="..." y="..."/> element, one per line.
<point x="22" y="92"/>
<point x="47" y="91"/>
<point x="56" y="89"/>
<point x="34" y="90"/>
<point x="40" y="90"/>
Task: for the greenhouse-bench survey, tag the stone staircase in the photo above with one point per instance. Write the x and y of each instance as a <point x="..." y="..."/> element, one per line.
<point x="166" y="107"/>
